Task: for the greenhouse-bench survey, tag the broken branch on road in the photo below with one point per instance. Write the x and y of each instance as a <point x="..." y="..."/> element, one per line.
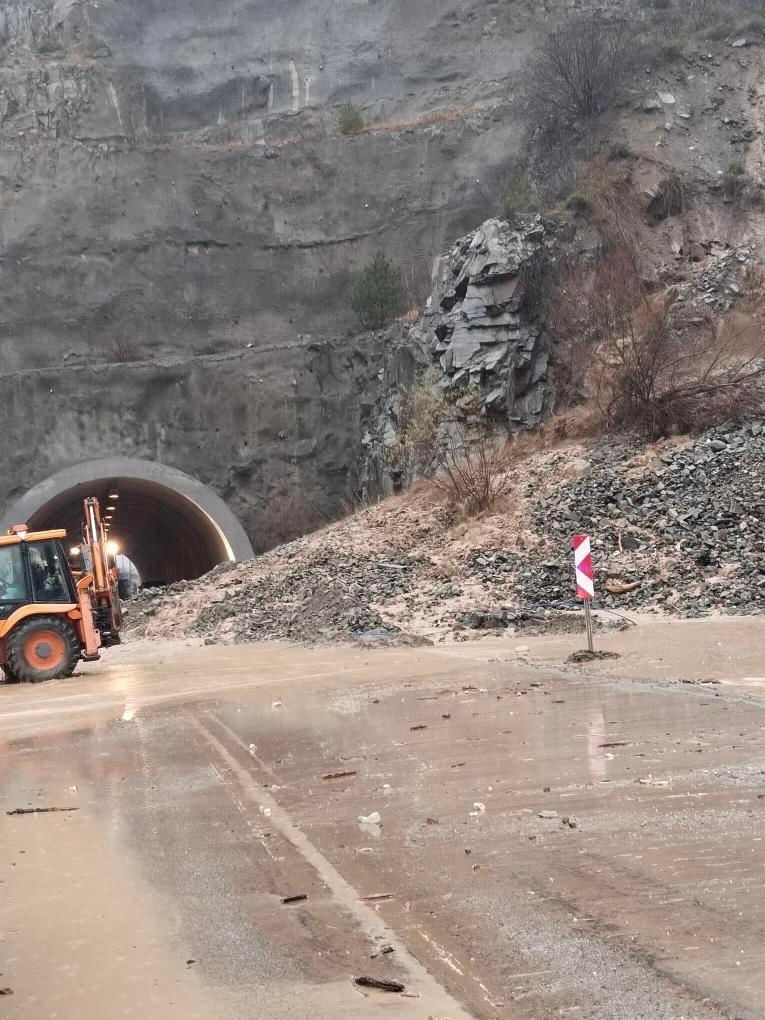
<point x="39" y="810"/>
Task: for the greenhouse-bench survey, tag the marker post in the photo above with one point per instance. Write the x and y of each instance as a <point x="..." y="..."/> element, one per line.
<point x="585" y="584"/>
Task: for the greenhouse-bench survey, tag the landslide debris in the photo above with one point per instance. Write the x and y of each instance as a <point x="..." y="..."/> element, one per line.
<point x="676" y="527"/>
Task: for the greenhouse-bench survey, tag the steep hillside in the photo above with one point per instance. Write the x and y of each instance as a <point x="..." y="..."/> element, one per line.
<point x="173" y="179"/>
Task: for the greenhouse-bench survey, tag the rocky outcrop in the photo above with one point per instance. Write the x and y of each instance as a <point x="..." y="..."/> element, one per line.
<point x="481" y="330"/>
<point x="482" y="323"/>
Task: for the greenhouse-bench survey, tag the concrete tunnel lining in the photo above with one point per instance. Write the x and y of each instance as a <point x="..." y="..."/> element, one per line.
<point x="172" y="526"/>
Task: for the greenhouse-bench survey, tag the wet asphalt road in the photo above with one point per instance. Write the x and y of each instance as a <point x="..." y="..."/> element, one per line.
<point x="161" y="895"/>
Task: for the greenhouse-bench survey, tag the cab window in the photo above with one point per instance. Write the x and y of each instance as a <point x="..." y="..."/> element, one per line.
<point x="13" y="586"/>
<point x="49" y="578"/>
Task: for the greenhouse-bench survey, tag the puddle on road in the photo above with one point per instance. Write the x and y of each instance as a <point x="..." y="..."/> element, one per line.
<point x="662" y="785"/>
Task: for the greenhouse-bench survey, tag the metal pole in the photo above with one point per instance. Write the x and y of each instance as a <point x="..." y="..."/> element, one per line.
<point x="588" y="622"/>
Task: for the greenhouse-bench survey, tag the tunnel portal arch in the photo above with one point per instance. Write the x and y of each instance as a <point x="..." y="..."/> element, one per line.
<point x="172" y="526"/>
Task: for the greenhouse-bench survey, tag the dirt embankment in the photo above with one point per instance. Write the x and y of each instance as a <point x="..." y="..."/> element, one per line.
<point x="676" y="527"/>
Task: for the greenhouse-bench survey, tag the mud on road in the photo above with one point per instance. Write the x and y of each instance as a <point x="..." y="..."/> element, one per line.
<point x="551" y="841"/>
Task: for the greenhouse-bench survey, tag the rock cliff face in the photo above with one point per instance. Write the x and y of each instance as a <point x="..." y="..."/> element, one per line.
<point x="275" y="433"/>
<point x="173" y="180"/>
<point x="181" y="219"/>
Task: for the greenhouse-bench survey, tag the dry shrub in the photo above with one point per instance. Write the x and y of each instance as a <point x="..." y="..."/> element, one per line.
<point x="476" y="467"/>
<point x="126" y="349"/>
<point x="582" y="67"/>
<point x="443" y="437"/>
<point x="648" y="363"/>
<point x="287" y="518"/>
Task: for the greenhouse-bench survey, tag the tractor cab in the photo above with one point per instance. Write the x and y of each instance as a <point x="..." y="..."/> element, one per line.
<point x="51" y="616"/>
<point x="34" y="569"/>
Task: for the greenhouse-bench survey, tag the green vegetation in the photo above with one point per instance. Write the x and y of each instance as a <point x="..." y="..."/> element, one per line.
<point x="619" y="150"/>
<point x="755" y="25"/>
<point x="579" y="203"/>
<point x="378" y="293"/>
<point x="720" y="29"/>
<point x="421" y="411"/>
<point x="675" y="45"/>
<point x="516" y="195"/>
<point x="350" y="119"/>
<point x="47" y="44"/>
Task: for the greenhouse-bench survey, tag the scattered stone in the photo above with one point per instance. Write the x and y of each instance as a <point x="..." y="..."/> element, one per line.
<point x="619" y="587"/>
<point x="547" y="814"/>
<point x="379" y="984"/>
<point x="373" y="819"/>
<point x="585" y="655"/>
<point x="382" y="951"/>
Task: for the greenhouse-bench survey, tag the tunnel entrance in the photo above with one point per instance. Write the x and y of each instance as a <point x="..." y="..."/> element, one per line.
<point x="171" y="526"/>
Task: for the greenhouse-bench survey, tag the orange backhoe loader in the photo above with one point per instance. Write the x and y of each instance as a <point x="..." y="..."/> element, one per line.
<point x="51" y="616"/>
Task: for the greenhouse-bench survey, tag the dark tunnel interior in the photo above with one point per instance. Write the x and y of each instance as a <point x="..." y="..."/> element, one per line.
<point x="166" y="535"/>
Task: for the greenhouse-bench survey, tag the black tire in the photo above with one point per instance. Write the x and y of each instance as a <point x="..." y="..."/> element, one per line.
<point x="26" y="657"/>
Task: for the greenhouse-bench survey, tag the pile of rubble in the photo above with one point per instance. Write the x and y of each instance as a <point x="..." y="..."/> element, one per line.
<point x="677" y="527"/>
<point x="685" y="535"/>
<point x="717" y="279"/>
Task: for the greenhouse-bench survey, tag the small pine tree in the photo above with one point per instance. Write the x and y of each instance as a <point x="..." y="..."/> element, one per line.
<point x="349" y="119"/>
<point x="378" y="293"/>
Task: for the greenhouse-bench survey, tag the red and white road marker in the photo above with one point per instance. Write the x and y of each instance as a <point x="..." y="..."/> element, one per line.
<point x="585" y="581"/>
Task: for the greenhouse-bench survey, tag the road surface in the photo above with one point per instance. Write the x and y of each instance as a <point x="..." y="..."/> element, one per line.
<point x="554" y="840"/>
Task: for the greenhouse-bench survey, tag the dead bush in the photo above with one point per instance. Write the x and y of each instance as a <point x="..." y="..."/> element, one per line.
<point x="289" y="517"/>
<point x="582" y="67"/>
<point x="126" y="349"/>
<point x="476" y="467"/>
<point x="648" y="363"/>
